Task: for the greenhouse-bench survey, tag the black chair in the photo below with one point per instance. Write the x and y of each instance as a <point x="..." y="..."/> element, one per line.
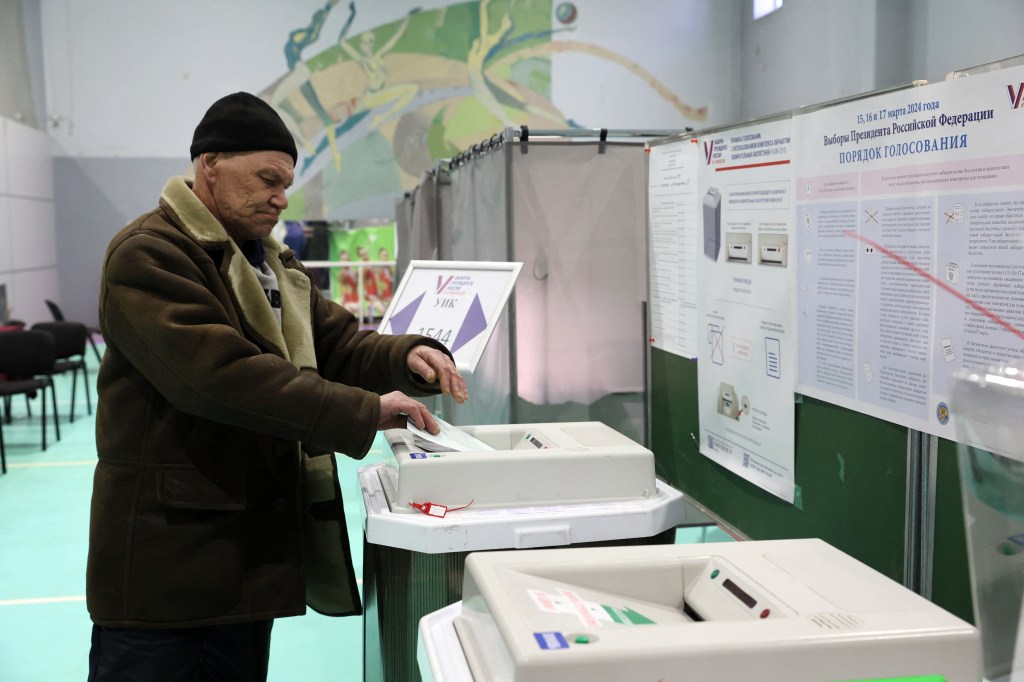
<point x="58" y="316"/>
<point x="26" y="361"/>
<point x="69" y="354"/>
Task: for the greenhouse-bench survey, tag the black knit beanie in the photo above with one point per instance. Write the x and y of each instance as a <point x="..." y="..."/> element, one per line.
<point x="242" y="123"/>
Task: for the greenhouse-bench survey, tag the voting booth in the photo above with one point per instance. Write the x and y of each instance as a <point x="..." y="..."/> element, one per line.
<point x="513" y="486"/>
<point x="570" y="205"/>
<point x="989" y="404"/>
<point x="794" y="610"/>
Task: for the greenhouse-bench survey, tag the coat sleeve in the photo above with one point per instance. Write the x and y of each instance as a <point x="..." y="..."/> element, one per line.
<point x="161" y="308"/>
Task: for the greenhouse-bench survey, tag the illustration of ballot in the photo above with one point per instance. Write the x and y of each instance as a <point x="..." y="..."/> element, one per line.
<point x="712" y="223"/>
<point x="952" y="272"/>
<point x="717" y="347"/>
<point x="947" y="350"/>
<point x="955" y="215"/>
<point x="728" y="404"/>
<point x="772" y="351"/>
<point x="737" y="247"/>
<point x="869" y="374"/>
<point x="807" y="217"/>
<point x="772" y="249"/>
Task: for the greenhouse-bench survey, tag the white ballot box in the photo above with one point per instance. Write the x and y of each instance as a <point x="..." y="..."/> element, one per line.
<point x="793" y="610"/>
<point x="512" y="465"/>
<point x="518" y="486"/>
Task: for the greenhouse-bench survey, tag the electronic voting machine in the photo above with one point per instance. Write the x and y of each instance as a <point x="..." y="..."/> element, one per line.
<point x="793" y="610"/>
<point x="515" y="465"/>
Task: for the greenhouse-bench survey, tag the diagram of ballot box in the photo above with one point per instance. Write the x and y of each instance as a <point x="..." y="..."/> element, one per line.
<point x="712" y="214"/>
<point x="738" y="247"/>
<point x="772" y="249"/>
<point x="516" y="487"/>
<point x="794" y="610"/>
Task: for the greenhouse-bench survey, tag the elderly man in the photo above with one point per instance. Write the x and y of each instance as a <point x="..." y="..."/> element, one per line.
<point x="228" y="384"/>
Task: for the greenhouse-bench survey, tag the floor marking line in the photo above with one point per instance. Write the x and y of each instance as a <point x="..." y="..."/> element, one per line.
<point x="41" y="600"/>
<point x="41" y="465"/>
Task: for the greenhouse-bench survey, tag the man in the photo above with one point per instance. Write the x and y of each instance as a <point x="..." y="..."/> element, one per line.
<point x="228" y="383"/>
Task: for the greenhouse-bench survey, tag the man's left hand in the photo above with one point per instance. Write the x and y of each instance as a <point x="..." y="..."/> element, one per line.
<point x="433" y="365"/>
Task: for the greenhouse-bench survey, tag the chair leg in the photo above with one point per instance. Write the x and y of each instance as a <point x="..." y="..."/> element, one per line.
<point x="85" y="387"/>
<point x="7" y="408"/>
<point x="53" y="399"/>
<point x="44" y="416"/>
<point x="3" y="452"/>
<point x="74" y="392"/>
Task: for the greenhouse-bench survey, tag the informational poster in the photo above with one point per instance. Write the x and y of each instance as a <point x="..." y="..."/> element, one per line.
<point x="674" y="244"/>
<point x="910" y="246"/>
<point x="747" y="337"/>
<point x="457" y="303"/>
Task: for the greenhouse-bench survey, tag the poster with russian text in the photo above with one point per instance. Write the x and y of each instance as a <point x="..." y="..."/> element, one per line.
<point x="910" y="242"/>
<point x="747" y="337"/>
<point x="674" y="245"/>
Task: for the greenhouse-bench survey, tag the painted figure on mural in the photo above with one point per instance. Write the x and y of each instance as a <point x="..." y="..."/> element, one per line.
<point x="298" y="78"/>
<point x="379" y="92"/>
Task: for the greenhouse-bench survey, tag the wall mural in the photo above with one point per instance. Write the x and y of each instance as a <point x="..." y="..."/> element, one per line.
<point x="372" y="111"/>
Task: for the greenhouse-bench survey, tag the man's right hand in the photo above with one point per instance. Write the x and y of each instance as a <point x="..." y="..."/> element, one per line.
<point x="396" y="408"/>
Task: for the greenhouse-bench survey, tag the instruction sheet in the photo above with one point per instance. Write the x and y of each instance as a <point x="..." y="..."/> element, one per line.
<point x="674" y="246"/>
<point x="910" y="244"/>
<point x="746" y="331"/>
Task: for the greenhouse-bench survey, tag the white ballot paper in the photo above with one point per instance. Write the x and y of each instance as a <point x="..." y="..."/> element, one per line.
<point x="450" y="439"/>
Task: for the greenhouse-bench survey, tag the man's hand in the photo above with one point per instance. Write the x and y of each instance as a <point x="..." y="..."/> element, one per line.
<point x="396" y="408"/>
<point x="433" y="365"/>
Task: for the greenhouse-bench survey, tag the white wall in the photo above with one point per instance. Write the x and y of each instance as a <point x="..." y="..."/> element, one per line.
<point x="806" y="53"/>
<point x="813" y="51"/>
<point x="28" y="248"/>
<point x="954" y="34"/>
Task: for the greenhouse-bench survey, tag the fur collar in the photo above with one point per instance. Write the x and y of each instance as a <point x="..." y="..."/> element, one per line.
<point x="293" y="339"/>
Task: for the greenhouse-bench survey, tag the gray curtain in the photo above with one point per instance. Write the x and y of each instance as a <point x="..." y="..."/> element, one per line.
<point x="573" y="214"/>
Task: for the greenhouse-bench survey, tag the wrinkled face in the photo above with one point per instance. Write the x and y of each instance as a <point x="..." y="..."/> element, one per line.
<point x="247" y="190"/>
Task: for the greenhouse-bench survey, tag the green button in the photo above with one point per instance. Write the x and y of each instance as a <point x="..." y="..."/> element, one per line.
<point x="582" y="639"/>
<point x="714" y="574"/>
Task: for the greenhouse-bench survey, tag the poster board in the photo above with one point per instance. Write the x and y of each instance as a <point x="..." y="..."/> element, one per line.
<point x="456" y="303"/>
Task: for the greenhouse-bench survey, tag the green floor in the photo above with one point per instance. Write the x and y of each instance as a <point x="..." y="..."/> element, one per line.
<point x="44" y="517"/>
